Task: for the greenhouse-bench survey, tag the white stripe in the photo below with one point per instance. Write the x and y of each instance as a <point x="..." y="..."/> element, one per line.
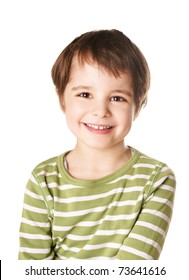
<point x="103" y="245"/>
<point x="90" y="223"/>
<point x="34" y="195"/>
<point x="143" y="156"/>
<point x="146" y="240"/>
<point x="66" y="248"/>
<point x="34" y="236"/>
<point x="35" y="209"/>
<point x="165" y="168"/>
<point x="144" y="165"/>
<point x="152" y="227"/>
<point x="157" y="213"/>
<point x="97" y="258"/>
<point x="61" y="257"/>
<point x="98" y="196"/>
<point x="47" y="164"/>
<point x="167" y="188"/>
<point x="136" y="252"/>
<point x="98" y="233"/>
<point x="112" y="232"/>
<point x="34" y="251"/>
<point x="59" y="228"/>
<point x="95" y="210"/>
<point x="68" y="187"/>
<point x="79" y="237"/>
<point x="80" y="224"/>
<point x="121" y="217"/>
<point x="159" y="182"/>
<point x="172" y="177"/>
<point x="130" y="177"/>
<point x="92" y="258"/>
<point x="60" y="187"/>
<point x="162" y="200"/>
<point x="43" y="172"/>
<point x="32" y="179"/>
<point x="34" y="223"/>
<point x="49" y="198"/>
<point x="94" y="223"/>
<point x="48" y="258"/>
<point x="37" y="196"/>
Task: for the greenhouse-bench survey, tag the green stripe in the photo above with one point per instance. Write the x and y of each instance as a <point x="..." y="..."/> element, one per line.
<point x="137" y="198"/>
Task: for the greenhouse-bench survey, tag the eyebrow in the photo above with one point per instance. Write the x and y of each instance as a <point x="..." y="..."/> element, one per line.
<point x="81" y="87"/>
<point x="126" y="92"/>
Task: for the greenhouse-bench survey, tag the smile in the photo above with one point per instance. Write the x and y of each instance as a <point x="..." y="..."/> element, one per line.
<point x="98" y="127"/>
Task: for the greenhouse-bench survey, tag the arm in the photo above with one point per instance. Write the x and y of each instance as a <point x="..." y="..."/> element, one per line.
<point x="146" y="239"/>
<point x="35" y="228"/>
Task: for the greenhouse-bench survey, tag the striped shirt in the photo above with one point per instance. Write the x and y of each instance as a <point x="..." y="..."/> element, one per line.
<point x="124" y="215"/>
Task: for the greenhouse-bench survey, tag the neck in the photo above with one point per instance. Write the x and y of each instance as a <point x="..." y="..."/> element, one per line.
<point x="97" y="161"/>
<point x="92" y="154"/>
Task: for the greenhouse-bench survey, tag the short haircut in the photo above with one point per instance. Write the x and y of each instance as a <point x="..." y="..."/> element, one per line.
<point x="110" y="49"/>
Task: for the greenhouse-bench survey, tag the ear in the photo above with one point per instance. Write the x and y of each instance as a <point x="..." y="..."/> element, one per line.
<point x="61" y="101"/>
<point x="62" y="104"/>
<point x="136" y="113"/>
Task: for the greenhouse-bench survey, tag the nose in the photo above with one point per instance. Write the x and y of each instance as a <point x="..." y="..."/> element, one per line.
<point x="101" y="110"/>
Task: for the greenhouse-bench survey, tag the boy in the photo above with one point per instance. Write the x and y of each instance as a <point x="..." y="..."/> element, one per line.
<point x="103" y="199"/>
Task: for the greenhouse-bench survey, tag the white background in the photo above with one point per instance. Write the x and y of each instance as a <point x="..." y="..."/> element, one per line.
<point x="32" y="126"/>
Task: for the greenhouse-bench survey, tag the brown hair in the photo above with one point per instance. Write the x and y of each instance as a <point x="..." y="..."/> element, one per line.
<point x="110" y="49"/>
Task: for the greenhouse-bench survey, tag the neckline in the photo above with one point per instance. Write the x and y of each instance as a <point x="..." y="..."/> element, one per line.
<point x="99" y="181"/>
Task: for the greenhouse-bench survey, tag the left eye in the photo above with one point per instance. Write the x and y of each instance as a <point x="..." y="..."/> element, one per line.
<point x="117" y="99"/>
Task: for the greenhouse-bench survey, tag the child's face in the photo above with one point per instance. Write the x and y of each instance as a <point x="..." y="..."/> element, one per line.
<point x="99" y="107"/>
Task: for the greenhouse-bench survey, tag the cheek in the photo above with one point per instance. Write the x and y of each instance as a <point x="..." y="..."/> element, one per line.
<point x="126" y="116"/>
<point x="73" y="115"/>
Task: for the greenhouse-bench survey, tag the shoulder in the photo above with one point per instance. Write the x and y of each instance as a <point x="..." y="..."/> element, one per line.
<point x="49" y="165"/>
<point x="148" y="160"/>
<point x="160" y="175"/>
<point x="159" y="169"/>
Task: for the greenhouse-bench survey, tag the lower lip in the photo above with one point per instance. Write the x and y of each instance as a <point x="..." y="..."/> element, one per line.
<point x="98" y="131"/>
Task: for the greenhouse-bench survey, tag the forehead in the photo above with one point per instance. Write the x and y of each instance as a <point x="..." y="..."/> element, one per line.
<point x="90" y="66"/>
<point x="91" y="76"/>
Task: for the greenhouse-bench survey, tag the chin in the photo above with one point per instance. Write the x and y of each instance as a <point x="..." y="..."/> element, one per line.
<point x="98" y="145"/>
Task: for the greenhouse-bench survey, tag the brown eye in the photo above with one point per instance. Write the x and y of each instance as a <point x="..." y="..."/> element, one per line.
<point x="84" y="95"/>
<point x="118" y="99"/>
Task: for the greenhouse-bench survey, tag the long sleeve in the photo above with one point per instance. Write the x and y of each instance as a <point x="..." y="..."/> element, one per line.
<point x="146" y="239"/>
<point x="35" y="228"/>
<point x="125" y="215"/>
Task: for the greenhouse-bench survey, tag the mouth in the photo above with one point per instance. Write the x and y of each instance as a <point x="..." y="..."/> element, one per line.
<point x="98" y="129"/>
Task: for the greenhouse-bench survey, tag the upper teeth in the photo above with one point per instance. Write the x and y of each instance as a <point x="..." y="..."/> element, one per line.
<point x="98" y="126"/>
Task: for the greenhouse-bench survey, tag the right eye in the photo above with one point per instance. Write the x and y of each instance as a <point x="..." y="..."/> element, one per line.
<point x="84" y="95"/>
